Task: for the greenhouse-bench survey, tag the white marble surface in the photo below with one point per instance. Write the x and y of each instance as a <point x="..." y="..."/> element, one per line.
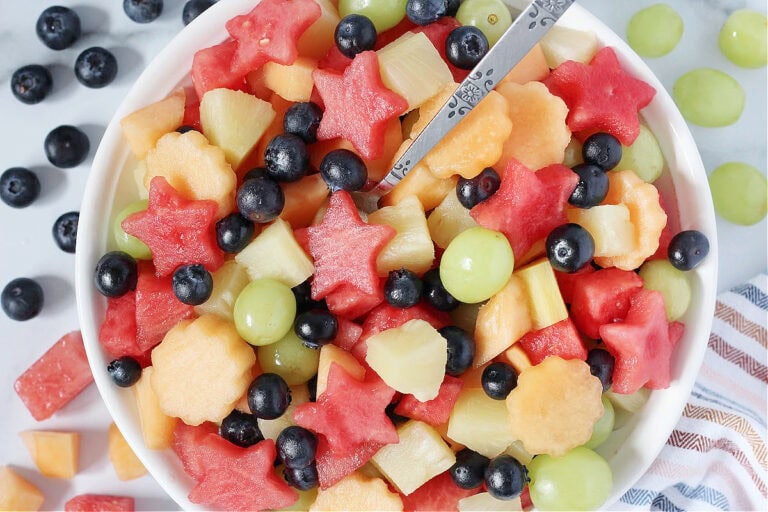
<point x="27" y="248"/>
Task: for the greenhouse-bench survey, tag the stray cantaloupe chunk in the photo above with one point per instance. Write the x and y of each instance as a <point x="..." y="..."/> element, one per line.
<point x="156" y="426"/>
<point x="270" y="429"/>
<point x="126" y="464"/>
<point x="480" y="423"/>
<point x="448" y="220"/>
<point x="17" y="493"/>
<point x="531" y="67"/>
<point x="319" y="37"/>
<point x="56" y="454"/>
<point x="293" y="82"/>
<point x="357" y="492"/>
<point x="332" y="354"/>
<point x="412" y="247"/>
<point x="144" y="127"/>
<point x="609" y="226"/>
<point x="302" y="200"/>
<point x="228" y="282"/>
<point x="503" y="320"/>
<point x="545" y="302"/>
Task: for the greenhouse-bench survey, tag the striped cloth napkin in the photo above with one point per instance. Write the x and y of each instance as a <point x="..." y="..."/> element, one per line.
<point x="715" y="458"/>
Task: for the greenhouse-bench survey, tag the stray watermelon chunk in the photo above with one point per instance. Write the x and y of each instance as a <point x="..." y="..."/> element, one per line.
<point x="187" y="441"/>
<point x="56" y="378"/>
<point x="118" y="332"/>
<point x="99" y="503"/>
<point x="602" y="297"/>
<point x="436" y="411"/>
<point x="440" y="493"/>
<point x="212" y="69"/>
<point x="157" y="309"/>
<point x="559" y="339"/>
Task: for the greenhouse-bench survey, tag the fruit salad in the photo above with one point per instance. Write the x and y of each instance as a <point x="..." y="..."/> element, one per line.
<point x="470" y="343"/>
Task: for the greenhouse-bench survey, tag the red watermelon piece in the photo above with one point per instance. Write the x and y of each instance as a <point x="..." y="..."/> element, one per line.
<point x="192" y="116"/>
<point x="187" y="441"/>
<point x="436" y="411"/>
<point x="177" y="230"/>
<point x="349" y="302"/>
<point x="348" y="334"/>
<point x="157" y="309"/>
<point x="528" y="205"/>
<point x="641" y="345"/>
<point x="438" y="494"/>
<point x="56" y="378"/>
<point x="117" y="334"/>
<point x="601" y="96"/>
<point x="387" y="316"/>
<point x="565" y="281"/>
<point x="334" y="60"/>
<point x="357" y="105"/>
<point x="602" y="297"/>
<point x="395" y="32"/>
<point x="559" y="339"/>
<point x="212" y="68"/>
<point x="99" y="503"/>
<point x="332" y="467"/>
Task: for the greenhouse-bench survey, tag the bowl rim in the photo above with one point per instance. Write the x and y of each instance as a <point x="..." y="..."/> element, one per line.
<point x="629" y="459"/>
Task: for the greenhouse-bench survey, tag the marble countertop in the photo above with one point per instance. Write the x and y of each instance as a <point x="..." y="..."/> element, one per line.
<point x="27" y="248"/>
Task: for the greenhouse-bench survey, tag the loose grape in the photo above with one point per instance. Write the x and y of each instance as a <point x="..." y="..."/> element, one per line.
<point x="264" y="311"/>
<point x="708" y="97"/>
<point x="673" y="284"/>
<point x="476" y="264"/>
<point x="643" y="156"/>
<point x="492" y="17"/>
<point x="743" y="38"/>
<point x="290" y="359"/>
<point x="129" y="243"/>
<point x="384" y="14"/>
<point x="739" y="192"/>
<point x="655" y="30"/>
<point x="604" y="425"/>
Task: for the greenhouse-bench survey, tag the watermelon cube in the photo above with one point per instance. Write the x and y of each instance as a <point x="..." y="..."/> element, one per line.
<point x="348" y="334"/>
<point x="436" y="411"/>
<point x="559" y="339"/>
<point x="117" y="334"/>
<point x="212" y="69"/>
<point x="440" y="493"/>
<point x="601" y="298"/>
<point x="99" y="503"/>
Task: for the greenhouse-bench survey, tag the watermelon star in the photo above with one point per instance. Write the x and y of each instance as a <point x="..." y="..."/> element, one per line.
<point x="601" y="96"/>
<point x="357" y="105"/>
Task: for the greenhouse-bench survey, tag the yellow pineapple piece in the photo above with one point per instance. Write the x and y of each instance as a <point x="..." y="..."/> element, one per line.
<point x="480" y="423"/>
<point x="201" y="369"/>
<point x="420" y="182"/>
<point x="516" y="357"/>
<point x="357" y="492"/>
<point x="448" y="220"/>
<point x="518" y="451"/>
<point x="484" y="501"/>
<point x="144" y="127"/>
<point x="256" y="158"/>
<point x="562" y="43"/>
<point x="545" y="302"/>
<point x="270" y="429"/>
<point x="539" y="134"/>
<point x="294" y="82"/>
<point x="56" y="454"/>
<point x="195" y="168"/>
<point x="156" y="426"/>
<point x="554" y="406"/>
<point x="465" y="316"/>
<point x="609" y="226"/>
<point x="503" y="320"/>
<point x="531" y="67"/>
<point x="126" y="464"/>
<point x="442" y="429"/>
<point x="319" y="37"/>
<point x="228" y="282"/>
<point x="17" y="493"/>
<point x="332" y="354"/>
<point x="412" y="246"/>
<point x="418" y="442"/>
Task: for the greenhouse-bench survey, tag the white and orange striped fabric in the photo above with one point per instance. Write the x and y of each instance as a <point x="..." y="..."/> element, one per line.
<point x="715" y="458"/>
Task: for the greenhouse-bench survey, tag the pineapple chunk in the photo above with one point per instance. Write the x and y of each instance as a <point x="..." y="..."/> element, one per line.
<point x="201" y="369"/>
<point x="143" y="128"/>
<point x="319" y="37"/>
<point x="503" y="320"/>
<point x="448" y="220"/>
<point x="126" y="464"/>
<point x="410" y="358"/>
<point x="485" y="502"/>
<point x="357" y="492"/>
<point x="56" y="454"/>
<point x="418" y="442"/>
<point x="332" y="354"/>
<point x="480" y="423"/>
<point x="270" y="429"/>
<point x="234" y="121"/>
<point x="275" y="254"/>
<point x="156" y="426"/>
<point x="609" y="225"/>
<point x="544" y="299"/>
<point x="412" y="247"/>
<point x="519" y="452"/>
<point x="228" y="282"/>
<point x="294" y="82"/>
<point x="562" y="43"/>
<point x="412" y="67"/>
<point x="16" y="493"/>
<point x="306" y="498"/>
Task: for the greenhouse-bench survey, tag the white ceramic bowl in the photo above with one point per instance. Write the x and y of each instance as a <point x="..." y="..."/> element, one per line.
<point x="630" y="450"/>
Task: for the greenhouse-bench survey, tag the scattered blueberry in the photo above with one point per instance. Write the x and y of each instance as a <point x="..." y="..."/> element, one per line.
<point x="286" y="158"/>
<point x="194" y="8"/>
<point x="403" y="288"/>
<point x="241" y="429"/>
<point x="601" y="364"/>
<point x="296" y="447"/>
<point x="31" y="84"/>
<point x="192" y="284"/>
<point x="65" y="231"/>
<point x="424" y="12"/>
<point x="476" y="190"/>
<point x="466" y="46"/>
<point x="268" y="396"/>
<point x="435" y="292"/>
<point x="22" y="299"/>
<point x="569" y="247"/>
<point x="461" y="350"/>
<point x="354" y="34"/>
<point x="302" y="119"/>
<point x="19" y="187"/>
<point x="125" y="371"/>
<point x="505" y="477"/>
<point x="687" y="249"/>
<point x="303" y="479"/>
<point x="602" y="150"/>
<point x="498" y="380"/>
<point x="96" y="67"/>
<point x="66" y="146"/>
<point x="468" y="472"/>
<point x="592" y="187"/>
<point x="186" y="128"/>
<point x="115" y="274"/>
<point x="234" y="233"/>
<point x="143" y="11"/>
<point x="316" y="328"/>
<point x="260" y="199"/>
<point x="58" y="27"/>
<point x="304" y="301"/>
<point x="342" y="169"/>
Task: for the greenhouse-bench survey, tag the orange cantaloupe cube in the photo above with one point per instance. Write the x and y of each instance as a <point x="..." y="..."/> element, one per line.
<point x="156" y="426"/>
<point x="293" y="82"/>
<point x="56" y="454"/>
<point x="532" y="67"/>
<point x="303" y="199"/>
<point x="319" y="37"/>
<point x="503" y="320"/>
<point x="17" y="493"/>
<point x="144" y="127"/>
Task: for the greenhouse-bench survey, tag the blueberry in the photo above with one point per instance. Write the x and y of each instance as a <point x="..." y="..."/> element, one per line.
<point x="466" y="46"/>
<point x="505" y="477"/>
<point x="312" y="388"/>
<point x="296" y="447"/>
<point x="316" y="328"/>
<point x="468" y="472"/>
<point x="125" y="371"/>
<point x="461" y="350"/>
<point x="19" y="187"/>
<point x="192" y="284"/>
<point x="687" y="249"/>
<point x="451" y="7"/>
<point x="66" y="146"/>
<point x="569" y="247"/>
<point x="241" y="429"/>
<point x="424" y="12"/>
<point x="31" y="84"/>
<point x="256" y="172"/>
<point x="286" y="158"/>
<point x="22" y="299"/>
<point x="233" y="233"/>
<point x="65" y="231"/>
<point x="194" y="8"/>
<point x="354" y="34"/>
<point x="603" y="150"/>
<point x="304" y="301"/>
<point x="601" y="364"/>
<point x="115" y="274"/>
<point x="303" y="479"/>
<point x="435" y="292"/>
<point x="58" y="27"/>
<point x="342" y="169"/>
<point x="260" y="199"/>
<point x="476" y="190"/>
<point x="302" y="119"/>
<point x="186" y="128"/>
<point x="498" y="380"/>
<point x="96" y="67"/>
<point x="592" y="187"/>
<point x="268" y="396"/>
<point x="143" y="11"/>
<point x="403" y="288"/>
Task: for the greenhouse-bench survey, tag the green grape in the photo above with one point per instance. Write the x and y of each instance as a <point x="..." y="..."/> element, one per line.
<point x="492" y="17"/>
<point x="709" y="97"/>
<point x="604" y="425"/>
<point x="740" y="193"/>
<point x="264" y="311"/>
<point x="643" y="156"/>
<point x="655" y="30"/>
<point x="743" y="38"/>
<point x="384" y="14"/>
<point x="672" y="283"/>
<point x="290" y="359"/>
<point x="579" y="480"/>
<point x="126" y="242"/>
<point x="476" y="265"/>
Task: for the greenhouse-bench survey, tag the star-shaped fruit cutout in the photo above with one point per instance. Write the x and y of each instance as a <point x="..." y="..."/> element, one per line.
<point x="357" y="105"/>
<point x="601" y="96"/>
<point x="177" y="230"/>
<point x="270" y="32"/>
<point x="345" y="248"/>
